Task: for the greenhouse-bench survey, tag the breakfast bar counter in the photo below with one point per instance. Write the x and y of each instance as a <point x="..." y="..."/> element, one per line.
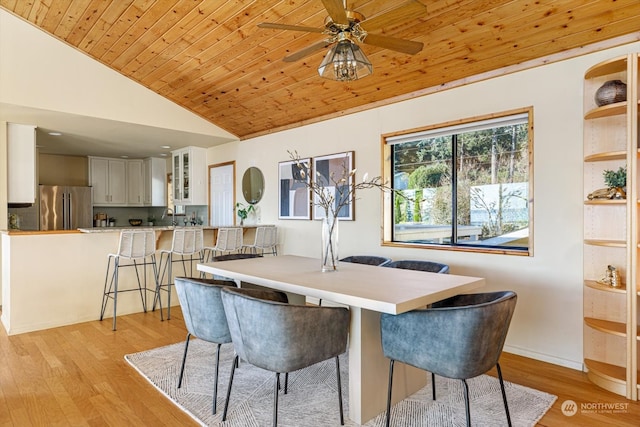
<point x="56" y="278"/>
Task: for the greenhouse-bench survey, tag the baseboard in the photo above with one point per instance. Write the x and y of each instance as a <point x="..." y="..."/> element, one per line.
<point x="572" y="364"/>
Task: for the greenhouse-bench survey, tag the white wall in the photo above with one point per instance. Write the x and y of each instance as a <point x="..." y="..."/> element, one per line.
<point x="547" y="324"/>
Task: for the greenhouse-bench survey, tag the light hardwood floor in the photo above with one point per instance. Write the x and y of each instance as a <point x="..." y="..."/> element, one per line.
<point x="76" y="376"/>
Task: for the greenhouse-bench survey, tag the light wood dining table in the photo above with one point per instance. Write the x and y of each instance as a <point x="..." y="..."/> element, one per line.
<point x="367" y="291"/>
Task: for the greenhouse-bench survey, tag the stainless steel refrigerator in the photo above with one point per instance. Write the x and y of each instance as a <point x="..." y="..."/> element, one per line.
<point x="65" y="207"/>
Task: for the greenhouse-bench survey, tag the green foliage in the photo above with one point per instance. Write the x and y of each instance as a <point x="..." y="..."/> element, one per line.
<point x="428" y="176"/>
<point x="490" y="156"/>
<point x="398" y="211"/>
<point x="615" y="178"/>
<point x="417" y="215"/>
<point x="243" y="210"/>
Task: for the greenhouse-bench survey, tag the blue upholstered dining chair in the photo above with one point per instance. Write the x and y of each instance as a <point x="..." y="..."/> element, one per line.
<point x="204" y="317"/>
<point x="281" y="338"/>
<point x="460" y="338"/>
<point x="430" y="266"/>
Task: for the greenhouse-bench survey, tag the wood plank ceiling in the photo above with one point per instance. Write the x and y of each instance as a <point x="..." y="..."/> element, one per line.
<point x="211" y="58"/>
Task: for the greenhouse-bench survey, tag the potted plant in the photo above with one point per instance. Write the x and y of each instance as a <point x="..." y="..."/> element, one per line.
<point x="151" y="220"/>
<point x="616" y="179"/>
<point x="243" y="211"/>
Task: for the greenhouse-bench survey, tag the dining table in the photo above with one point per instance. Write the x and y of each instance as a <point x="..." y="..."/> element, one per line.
<point x="368" y="291"/>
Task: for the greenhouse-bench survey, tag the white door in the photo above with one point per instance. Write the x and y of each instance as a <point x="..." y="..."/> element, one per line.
<point x="221" y="207"/>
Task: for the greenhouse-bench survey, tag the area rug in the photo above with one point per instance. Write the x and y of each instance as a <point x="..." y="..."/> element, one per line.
<point x="312" y="397"/>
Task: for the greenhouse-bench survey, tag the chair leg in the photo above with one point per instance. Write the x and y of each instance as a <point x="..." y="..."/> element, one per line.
<point x="108" y="286"/>
<point x="389" y="393"/>
<point x="226" y="403"/>
<point x="433" y="385"/>
<point x="339" y="391"/>
<point x="215" y="385"/>
<point x="170" y="281"/>
<point x="160" y="272"/>
<point x="504" y="394"/>
<point x="115" y="291"/>
<point x="286" y="383"/>
<point x="184" y="359"/>
<point x="275" y="399"/>
<point x="135" y="266"/>
<point x="466" y="402"/>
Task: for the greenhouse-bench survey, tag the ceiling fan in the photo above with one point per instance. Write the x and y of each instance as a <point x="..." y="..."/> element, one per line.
<point x="345" y="61"/>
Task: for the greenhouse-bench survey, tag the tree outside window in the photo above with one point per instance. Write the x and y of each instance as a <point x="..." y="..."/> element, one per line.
<point x="467" y="185"/>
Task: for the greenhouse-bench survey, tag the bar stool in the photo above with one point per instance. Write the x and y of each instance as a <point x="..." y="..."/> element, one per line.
<point x="139" y="248"/>
<point x="265" y="240"/>
<point x="229" y="240"/>
<point x="186" y="243"/>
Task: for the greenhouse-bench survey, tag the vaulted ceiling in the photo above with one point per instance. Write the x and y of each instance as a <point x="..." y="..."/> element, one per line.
<point x="212" y="58"/>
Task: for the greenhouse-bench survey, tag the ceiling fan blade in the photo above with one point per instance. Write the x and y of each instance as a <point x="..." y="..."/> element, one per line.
<point x="290" y="27"/>
<point x="399" y="45"/>
<point x="336" y="11"/>
<point x="309" y="50"/>
<point x="410" y="10"/>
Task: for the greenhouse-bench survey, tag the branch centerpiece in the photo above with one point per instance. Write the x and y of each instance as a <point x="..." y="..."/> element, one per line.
<point x="332" y="193"/>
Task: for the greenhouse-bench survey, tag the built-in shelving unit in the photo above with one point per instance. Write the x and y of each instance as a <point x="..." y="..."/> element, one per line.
<point x="611" y="231"/>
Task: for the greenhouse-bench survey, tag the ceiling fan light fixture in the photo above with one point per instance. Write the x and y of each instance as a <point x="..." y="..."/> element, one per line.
<point x="345" y="62"/>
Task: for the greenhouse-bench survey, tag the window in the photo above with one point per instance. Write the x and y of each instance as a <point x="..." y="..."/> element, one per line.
<point x="466" y="185"/>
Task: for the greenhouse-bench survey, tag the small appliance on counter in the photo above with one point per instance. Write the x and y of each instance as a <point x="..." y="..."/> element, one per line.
<point x="14" y="222"/>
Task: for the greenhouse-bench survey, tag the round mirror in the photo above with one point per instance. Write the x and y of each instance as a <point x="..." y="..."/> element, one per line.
<point x="252" y="185"/>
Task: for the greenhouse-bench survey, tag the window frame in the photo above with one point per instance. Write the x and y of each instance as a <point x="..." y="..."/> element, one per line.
<point x="388" y="177"/>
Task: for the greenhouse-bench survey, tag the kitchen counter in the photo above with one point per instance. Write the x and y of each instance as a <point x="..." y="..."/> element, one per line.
<point x="154" y="228"/>
<point x="66" y="284"/>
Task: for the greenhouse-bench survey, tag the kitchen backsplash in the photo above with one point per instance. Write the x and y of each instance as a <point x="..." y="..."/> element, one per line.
<point x="122" y="215"/>
<point x="24" y="218"/>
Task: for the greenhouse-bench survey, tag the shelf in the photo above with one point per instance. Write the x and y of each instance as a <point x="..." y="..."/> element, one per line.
<point x="609" y="377"/>
<point x="607" y="202"/>
<point x="617" y="109"/>
<point x="610" y="155"/>
<point x="612" y="230"/>
<point x="605" y="288"/>
<point x="607" y="326"/>
<point x="616" y="65"/>
<point x="607" y="243"/>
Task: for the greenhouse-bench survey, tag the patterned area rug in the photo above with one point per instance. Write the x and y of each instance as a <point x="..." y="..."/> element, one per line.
<point x="312" y="397"/>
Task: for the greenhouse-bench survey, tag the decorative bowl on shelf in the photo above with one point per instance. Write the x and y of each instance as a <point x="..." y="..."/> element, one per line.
<point x="135" y="222"/>
<point x="611" y="92"/>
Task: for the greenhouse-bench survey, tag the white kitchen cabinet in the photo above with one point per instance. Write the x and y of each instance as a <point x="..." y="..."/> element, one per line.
<point x="135" y="183"/>
<point x="155" y="181"/>
<point x="189" y="176"/>
<point x="21" y="163"/>
<point x="108" y="179"/>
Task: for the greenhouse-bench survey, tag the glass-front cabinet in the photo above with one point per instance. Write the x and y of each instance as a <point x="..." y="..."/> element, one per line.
<point x="189" y="176"/>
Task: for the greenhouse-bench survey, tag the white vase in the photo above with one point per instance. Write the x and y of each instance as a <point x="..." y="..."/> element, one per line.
<point x="329" y="254"/>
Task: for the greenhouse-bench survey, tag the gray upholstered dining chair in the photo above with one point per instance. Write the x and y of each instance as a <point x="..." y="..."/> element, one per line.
<point x="420" y="265"/>
<point x="364" y="259"/>
<point x="367" y="259"/>
<point x="204" y="317"/>
<point x="460" y="338"/>
<point x="281" y="338"/>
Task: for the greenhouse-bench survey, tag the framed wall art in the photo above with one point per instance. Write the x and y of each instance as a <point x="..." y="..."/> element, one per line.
<point x="333" y="173"/>
<point x="293" y="190"/>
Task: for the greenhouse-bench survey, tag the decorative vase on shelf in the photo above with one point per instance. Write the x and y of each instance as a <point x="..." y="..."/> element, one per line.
<point x="329" y="255"/>
<point x="611" y="92"/>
